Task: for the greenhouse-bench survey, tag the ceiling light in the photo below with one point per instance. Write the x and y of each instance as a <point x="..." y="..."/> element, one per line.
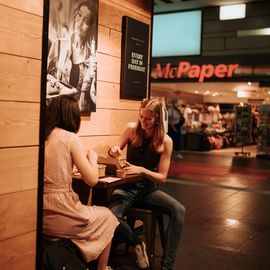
<point x="245" y="88"/>
<point x="230" y="221"/>
<point x="254" y="32"/>
<point x="232" y="12"/>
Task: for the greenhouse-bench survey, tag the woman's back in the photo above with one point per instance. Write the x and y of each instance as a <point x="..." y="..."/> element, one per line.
<point x="58" y="163"/>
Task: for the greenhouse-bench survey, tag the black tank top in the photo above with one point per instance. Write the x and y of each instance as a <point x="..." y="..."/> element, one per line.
<point x="143" y="155"/>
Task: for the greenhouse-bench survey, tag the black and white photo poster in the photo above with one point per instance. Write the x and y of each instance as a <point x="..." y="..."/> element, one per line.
<point x="134" y="65"/>
<point x="72" y="46"/>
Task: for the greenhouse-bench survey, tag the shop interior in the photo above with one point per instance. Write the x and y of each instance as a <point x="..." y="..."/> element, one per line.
<point x="221" y="111"/>
<point x="219" y="115"/>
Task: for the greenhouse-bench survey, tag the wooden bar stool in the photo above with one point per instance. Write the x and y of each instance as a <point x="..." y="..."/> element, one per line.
<point x="149" y="219"/>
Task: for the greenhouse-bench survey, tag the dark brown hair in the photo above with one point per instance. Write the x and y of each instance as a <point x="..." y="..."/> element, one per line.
<point x="154" y="105"/>
<point x="62" y="112"/>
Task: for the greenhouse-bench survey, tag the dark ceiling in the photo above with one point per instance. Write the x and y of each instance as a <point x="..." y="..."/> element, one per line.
<point x="174" y="5"/>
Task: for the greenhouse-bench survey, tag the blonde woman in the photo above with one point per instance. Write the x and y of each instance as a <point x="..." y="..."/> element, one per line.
<point x="149" y="152"/>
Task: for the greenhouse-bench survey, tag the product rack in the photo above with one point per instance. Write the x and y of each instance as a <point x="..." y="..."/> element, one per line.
<point x="263" y="147"/>
<point x="242" y="128"/>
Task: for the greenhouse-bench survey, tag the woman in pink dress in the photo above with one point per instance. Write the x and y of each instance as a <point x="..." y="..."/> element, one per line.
<point x="90" y="228"/>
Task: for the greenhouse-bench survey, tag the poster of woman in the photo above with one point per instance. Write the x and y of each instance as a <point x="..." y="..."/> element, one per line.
<point x="72" y="43"/>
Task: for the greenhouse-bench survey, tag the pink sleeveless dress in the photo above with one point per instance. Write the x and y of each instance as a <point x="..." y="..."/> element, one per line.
<point x="91" y="228"/>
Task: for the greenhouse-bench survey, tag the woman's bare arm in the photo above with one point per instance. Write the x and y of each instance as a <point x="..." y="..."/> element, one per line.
<point x="124" y="138"/>
<point x="86" y="163"/>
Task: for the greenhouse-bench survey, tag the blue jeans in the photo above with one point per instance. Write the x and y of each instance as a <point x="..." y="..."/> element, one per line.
<point x="157" y="200"/>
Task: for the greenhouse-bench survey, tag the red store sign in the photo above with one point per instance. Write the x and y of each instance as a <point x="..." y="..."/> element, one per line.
<point x="200" y="72"/>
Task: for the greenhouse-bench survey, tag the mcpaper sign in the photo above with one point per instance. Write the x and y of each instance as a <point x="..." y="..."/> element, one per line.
<point x="199" y="72"/>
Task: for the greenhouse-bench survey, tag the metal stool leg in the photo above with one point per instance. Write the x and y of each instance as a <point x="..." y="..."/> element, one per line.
<point x="161" y="230"/>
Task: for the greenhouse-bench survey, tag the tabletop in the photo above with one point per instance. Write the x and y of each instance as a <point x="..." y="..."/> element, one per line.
<point x="100" y="193"/>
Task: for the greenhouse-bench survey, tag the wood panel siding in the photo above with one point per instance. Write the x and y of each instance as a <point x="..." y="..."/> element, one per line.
<point x="20" y="75"/>
<point x="18" y="211"/>
<point x="18" y="169"/>
<point x="33" y="7"/>
<point x="107" y="38"/>
<point x="108" y="97"/>
<point x="108" y="69"/>
<point x="112" y="112"/>
<point x="20" y="78"/>
<point x="18" y="252"/>
<point x="106" y="122"/>
<point x="21" y="32"/>
<point x="19" y="123"/>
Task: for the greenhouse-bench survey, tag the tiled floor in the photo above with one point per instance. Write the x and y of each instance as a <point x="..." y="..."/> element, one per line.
<point x="227" y="225"/>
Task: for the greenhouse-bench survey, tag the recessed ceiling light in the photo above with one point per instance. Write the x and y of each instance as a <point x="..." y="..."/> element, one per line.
<point x="232" y="12"/>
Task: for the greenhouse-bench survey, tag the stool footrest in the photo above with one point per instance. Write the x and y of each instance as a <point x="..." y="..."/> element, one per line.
<point x="50" y="238"/>
<point x="149" y="218"/>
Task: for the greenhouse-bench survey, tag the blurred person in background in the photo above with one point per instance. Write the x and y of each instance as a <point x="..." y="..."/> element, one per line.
<point x="176" y="121"/>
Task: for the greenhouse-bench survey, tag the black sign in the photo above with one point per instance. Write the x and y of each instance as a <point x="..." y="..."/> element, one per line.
<point x="134" y="69"/>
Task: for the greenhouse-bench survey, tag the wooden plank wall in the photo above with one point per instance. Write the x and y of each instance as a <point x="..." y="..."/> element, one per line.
<point x="112" y="113"/>
<point x="20" y="66"/>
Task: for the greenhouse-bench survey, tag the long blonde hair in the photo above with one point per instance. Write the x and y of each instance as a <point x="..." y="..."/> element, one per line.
<point x="156" y="143"/>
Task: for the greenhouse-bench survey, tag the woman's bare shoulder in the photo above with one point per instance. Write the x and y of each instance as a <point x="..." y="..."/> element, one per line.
<point x="167" y="140"/>
<point x="130" y="127"/>
<point x="129" y="130"/>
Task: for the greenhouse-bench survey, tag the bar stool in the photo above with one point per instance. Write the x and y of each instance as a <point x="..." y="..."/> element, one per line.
<point x="149" y="219"/>
<point x="62" y="254"/>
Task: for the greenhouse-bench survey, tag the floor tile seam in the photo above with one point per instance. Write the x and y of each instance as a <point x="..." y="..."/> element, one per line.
<point x="195" y="175"/>
<point x="212" y="185"/>
<point x="227" y="168"/>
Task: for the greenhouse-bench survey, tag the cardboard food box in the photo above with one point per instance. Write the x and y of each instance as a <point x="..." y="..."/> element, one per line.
<point x="112" y="164"/>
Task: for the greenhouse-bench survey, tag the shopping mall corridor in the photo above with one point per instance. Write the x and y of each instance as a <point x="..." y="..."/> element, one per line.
<point x="227" y="224"/>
